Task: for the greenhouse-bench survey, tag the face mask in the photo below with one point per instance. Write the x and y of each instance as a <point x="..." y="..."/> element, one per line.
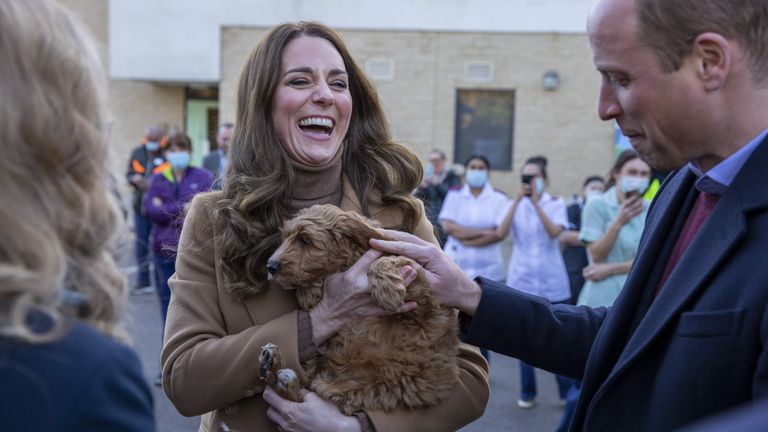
<point x="152" y="145"/>
<point x="633" y="184"/>
<point x="591" y="194"/>
<point x="477" y="178"/>
<point x="429" y="170"/>
<point x="538" y="183"/>
<point x="178" y="160"/>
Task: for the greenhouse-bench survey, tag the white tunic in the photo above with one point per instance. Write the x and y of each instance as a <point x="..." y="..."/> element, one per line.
<point x="485" y="211"/>
<point x="536" y="265"/>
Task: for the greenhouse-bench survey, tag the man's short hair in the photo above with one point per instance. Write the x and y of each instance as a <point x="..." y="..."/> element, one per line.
<point x="155" y="130"/>
<point x="670" y="26"/>
<point x="438" y="152"/>
<point x="226" y="126"/>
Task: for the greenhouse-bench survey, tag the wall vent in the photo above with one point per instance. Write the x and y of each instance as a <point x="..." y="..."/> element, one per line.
<point x="478" y="71"/>
<point x="380" y="69"/>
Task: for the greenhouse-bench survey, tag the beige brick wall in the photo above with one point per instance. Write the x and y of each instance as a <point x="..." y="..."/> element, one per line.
<point x="421" y="99"/>
<point x="429" y="68"/>
<point x="133" y="105"/>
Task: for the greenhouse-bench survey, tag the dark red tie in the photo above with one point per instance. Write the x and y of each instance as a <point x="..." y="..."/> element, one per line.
<point x="704" y="205"/>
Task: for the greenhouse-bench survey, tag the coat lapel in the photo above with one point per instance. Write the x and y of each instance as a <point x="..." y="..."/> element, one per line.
<point x="349" y="201"/>
<point x="660" y="224"/>
<point x="711" y="247"/>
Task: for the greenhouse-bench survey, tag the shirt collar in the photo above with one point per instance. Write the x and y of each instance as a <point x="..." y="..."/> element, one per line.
<point x="610" y="197"/>
<point x="720" y="177"/>
<point x="487" y="188"/>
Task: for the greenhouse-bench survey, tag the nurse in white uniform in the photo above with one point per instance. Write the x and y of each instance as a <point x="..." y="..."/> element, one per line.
<point x="536" y="265"/>
<point x="470" y="215"/>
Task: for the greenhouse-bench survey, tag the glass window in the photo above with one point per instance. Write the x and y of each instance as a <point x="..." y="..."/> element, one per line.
<point x="485" y="125"/>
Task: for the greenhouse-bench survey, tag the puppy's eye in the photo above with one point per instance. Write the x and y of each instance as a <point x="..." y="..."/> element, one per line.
<point x="305" y="240"/>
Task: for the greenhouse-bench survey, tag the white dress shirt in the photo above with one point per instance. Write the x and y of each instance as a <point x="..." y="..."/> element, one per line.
<point x="484" y="211"/>
<point x="536" y="265"/>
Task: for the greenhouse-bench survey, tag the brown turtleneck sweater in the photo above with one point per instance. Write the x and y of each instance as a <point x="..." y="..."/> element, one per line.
<point x="317" y="184"/>
<point x="314" y="185"/>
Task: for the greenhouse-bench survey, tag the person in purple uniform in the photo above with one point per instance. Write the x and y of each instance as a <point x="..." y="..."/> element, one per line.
<point x="169" y="192"/>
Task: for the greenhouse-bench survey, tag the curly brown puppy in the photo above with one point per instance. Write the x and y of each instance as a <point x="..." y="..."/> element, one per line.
<point x="406" y="360"/>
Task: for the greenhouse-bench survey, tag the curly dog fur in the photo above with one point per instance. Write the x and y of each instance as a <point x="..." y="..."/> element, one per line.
<point x="405" y="360"/>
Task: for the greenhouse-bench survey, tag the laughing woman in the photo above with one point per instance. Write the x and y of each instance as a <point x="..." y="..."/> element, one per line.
<point x="310" y="131"/>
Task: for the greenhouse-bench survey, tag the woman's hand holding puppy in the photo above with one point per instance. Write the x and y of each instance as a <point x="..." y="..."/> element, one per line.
<point x="347" y="299"/>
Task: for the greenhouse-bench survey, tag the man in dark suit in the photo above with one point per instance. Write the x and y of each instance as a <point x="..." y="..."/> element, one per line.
<point x="216" y="160"/>
<point x="687" y="82"/>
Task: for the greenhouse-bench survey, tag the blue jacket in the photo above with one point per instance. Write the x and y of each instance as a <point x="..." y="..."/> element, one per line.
<point x="84" y="381"/>
<point x="167" y="217"/>
<point x="699" y="348"/>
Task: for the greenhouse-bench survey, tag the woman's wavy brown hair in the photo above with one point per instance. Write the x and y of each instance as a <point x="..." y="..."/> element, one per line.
<point x="255" y="200"/>
<point x="57" y="218"/>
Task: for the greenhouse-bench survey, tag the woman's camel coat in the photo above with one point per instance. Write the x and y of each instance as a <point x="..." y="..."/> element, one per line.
<point x="213" y="340"/>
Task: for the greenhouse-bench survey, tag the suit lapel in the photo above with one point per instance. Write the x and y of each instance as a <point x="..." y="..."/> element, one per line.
<point x="660" y="224"/>
<point x="706" y="252"/>
<point x="711" y="247"/>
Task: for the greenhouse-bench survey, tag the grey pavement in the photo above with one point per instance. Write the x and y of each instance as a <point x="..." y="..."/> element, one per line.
<point x="502" y="414"/>
<point x="144" y="324"/>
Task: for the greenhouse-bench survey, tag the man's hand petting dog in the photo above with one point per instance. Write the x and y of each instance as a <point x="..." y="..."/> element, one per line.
<point x="300" y="417"/>
<point x="347" y="298"/>
<point x="448" y="283"/>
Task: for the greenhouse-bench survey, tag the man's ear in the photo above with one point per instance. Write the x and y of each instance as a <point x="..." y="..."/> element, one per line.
<point x="713" y="56"/>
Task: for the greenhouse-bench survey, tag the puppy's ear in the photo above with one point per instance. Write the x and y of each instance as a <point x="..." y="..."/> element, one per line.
<point x="356" y="228"/>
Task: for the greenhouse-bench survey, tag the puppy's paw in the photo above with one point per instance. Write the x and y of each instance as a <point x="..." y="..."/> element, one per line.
<point x="270" y="362"/>
<point x="288" y="385"/>
<point x="387" y="285"/>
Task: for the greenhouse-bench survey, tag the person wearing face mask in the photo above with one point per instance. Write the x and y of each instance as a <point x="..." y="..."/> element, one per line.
<point x="169" y="191"/>
<point x="146" y="160"/>
<point x="536" y="265"/>
<point x="611" y="227"/>
<point x="470" y="215"/>
<point x="438" y="179"/>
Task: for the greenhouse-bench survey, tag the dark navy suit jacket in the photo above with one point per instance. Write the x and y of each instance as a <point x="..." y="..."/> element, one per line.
<point x="84" y="381"/>
<point x="750" y="418"/>
<point x="655" y="365"/>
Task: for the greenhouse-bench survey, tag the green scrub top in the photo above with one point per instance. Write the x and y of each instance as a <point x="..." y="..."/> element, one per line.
<point x="598" y="214"/>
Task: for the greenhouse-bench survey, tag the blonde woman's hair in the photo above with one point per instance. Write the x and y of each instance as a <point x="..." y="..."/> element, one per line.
<point x="57" y="217"/>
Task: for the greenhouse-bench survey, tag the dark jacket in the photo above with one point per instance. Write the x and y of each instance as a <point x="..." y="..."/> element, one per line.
<point x="698" y="348"/>
<point x="575" y="257"/>
<point x="212" y="162"/>
<point x="167" y="218"/>
<point x="752" y="417"/>
<point x="433" y="197"/>
<point x="147" y="164"/>
<point x="84" y="381"/>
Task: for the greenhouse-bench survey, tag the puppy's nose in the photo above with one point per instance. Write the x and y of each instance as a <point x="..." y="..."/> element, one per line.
<point x="272" y="266"/>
